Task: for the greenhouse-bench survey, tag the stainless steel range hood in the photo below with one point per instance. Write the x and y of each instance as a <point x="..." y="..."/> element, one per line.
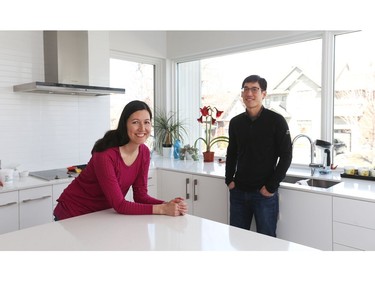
<point x="66" y="67"/>
<point x="66" y="89"/>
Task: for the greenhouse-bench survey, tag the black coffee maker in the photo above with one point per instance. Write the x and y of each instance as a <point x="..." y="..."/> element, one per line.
<point x="324" y="155"/>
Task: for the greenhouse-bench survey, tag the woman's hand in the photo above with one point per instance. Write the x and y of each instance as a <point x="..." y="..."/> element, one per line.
<point x="175" y="207"/>
<point x="182" y="205"/>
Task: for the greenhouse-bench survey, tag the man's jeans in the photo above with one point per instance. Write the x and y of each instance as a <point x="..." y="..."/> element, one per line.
<point x="243" y="205"/>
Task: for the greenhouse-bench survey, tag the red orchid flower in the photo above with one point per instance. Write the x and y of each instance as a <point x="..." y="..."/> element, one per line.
<point x="218" y="113"/>
<point x="205" y="111"/>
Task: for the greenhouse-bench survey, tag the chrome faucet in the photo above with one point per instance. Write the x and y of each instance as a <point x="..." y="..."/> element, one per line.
<point x="312" y="165"/>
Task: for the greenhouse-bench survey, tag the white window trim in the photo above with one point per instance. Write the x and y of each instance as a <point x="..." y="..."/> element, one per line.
<point x="327" y="68"/>
<point x="160" y="96"/>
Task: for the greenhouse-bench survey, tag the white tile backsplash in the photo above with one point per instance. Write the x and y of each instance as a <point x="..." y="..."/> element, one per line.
<point x="40" y="131"/>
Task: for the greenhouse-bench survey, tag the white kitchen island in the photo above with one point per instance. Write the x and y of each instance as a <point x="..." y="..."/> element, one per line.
<point x="109" y="231"/>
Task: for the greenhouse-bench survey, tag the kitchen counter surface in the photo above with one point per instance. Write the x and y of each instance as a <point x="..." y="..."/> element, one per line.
<point x="30" y="182"/>
<point x="348" y="187"/>
<point x="107" y="230"/>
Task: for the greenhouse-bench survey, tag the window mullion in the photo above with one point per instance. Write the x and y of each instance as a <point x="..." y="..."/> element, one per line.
<point x="327" y="86"/>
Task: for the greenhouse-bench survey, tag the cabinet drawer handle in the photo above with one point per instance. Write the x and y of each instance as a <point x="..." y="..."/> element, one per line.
<point x="34" y="199"/>
<point x="186" y="188"/>
<point x="8" y="204"/>
<point x="195" y="190"/>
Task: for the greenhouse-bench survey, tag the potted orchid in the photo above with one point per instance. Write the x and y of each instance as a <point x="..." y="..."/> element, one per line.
<point x="207" y="113"/>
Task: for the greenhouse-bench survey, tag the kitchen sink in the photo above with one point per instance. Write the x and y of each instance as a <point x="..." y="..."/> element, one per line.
<point x="322" y="183"/>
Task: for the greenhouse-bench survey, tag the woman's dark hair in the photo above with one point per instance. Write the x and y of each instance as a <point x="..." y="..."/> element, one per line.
<point x="256" y="78"/>
<point x="119" y="137"/>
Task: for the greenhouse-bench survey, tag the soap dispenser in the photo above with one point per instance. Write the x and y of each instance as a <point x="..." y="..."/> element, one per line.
<point x="176" y="149"/>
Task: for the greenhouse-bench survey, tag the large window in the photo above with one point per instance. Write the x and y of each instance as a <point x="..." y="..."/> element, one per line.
<point x="326" y="95"/>
<point x="138" y="80"/>
<point x="293" y="73"/>
<point x="354" y="110"/>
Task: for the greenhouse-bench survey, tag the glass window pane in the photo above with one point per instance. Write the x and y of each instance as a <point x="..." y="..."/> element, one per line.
<point x="138" y="81"/>
<point x="354" y="104"/>
<point x="293" y="73"/>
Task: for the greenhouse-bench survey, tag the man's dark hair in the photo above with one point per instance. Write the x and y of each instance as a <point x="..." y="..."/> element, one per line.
<point x="256" y="78"/>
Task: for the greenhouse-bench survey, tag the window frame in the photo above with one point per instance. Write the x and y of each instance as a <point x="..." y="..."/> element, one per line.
<point x="159" y="73"/>
<point x="327" y="71"/>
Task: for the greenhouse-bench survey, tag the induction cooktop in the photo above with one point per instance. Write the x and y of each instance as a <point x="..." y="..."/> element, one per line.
<point x="54" y="174"/>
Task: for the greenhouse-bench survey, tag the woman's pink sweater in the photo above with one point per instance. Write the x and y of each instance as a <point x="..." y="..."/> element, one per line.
<point x="104" y="183"/>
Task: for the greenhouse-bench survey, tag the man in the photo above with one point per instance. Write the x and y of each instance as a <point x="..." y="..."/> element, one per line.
<point x="258" y="156"/>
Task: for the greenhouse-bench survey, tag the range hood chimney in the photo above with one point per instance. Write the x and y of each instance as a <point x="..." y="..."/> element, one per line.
<point x="66" y="69"/>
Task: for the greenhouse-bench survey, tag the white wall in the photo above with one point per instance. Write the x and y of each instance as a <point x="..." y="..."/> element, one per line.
<point x="186" y="44"/>
<point x="42" y="131"/>
<point x="147" y="43"/>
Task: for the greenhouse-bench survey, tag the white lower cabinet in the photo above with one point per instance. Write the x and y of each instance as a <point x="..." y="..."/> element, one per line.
<point x="353" y="224"/>
<point x="57" y="189"/>
<point x="206" y="196"/>
<point x="9" y="211"/>
<point x="305" y="218"/>
<point x="151" y="186"/>
<point x="35" y="205"/>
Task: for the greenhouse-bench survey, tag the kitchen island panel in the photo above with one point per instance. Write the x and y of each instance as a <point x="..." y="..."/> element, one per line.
<point x="107" y="230"/>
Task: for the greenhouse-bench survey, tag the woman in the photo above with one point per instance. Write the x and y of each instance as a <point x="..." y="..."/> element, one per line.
<point x="119" y="160"/>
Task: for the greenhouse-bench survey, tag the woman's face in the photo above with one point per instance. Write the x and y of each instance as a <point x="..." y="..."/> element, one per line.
<point x="139" y="126"/>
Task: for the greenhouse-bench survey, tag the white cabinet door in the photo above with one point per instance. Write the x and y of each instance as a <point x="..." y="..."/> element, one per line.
<point x="207" y="197"/>
<point x="35" y="205"/>
<point x="354" y="223"/>
<point x="210" y="198"/>
<point x="175" y="184"/>
<point x="305" y="218"/>
<point x="151" y="186"/>
<point x="152" y="183"/>
<point x="8" y="211"/>
<point x="354" y="212"/>
<point x="57" y="189"/>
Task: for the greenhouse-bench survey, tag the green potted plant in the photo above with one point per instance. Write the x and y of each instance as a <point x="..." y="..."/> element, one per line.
<point x="167" y="129"/>
<point x="189" y="152"/>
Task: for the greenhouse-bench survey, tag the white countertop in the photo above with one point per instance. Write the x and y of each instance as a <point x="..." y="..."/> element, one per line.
<point x="349" y="188"/>
<point x="31" y="182"/>
<point x="107" y="230"/>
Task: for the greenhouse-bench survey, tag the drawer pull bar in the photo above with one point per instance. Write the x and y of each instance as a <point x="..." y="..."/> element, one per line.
<point x="34" y="199"/>
<point x="8" y="204"/>
<point x="186" y="188"/>
<point x="195" y="190"/>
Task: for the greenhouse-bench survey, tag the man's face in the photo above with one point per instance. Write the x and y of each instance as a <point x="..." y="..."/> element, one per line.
<point x="252" y="95"/>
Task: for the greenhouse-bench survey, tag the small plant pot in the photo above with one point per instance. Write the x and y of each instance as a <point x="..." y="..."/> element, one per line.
<point x="208" y="156"/>
<point x="167" y="152"/>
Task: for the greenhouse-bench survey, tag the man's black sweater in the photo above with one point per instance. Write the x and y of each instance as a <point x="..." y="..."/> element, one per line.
<point x="259" y="151"/>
